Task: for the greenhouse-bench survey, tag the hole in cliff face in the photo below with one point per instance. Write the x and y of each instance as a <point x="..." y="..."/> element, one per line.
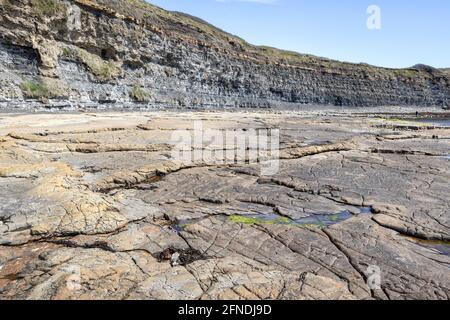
<point x="16" y="57"/>
<point x="171" y="60"/>
<point x="108" y="54"/>
<point x="133" y="65"/>
<point x="338" y="101"/>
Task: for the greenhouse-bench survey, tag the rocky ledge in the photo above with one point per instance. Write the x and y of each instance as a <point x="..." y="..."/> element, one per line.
<point x="127" y="53"/>
<point x="93" y="206"/>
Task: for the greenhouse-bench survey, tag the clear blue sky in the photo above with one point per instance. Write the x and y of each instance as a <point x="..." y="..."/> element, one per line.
<point x="412" y="31"/>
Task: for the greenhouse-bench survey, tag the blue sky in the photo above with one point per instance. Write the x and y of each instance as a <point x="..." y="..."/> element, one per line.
<point x="412" y="31"/>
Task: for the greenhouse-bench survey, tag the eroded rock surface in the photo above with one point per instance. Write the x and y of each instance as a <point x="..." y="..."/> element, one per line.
<point x="95" y="206"/>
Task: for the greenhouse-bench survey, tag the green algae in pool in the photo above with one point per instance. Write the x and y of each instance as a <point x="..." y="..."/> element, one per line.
<point x="317" y="221"/>
<point x="260" y="219"/>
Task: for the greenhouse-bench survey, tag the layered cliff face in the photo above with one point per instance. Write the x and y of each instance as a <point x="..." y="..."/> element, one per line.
<point x="130" y="53"/>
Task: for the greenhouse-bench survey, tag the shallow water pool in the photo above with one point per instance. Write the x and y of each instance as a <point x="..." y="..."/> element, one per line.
<point x="437" y="122"/>
<point x="319" y="221"/>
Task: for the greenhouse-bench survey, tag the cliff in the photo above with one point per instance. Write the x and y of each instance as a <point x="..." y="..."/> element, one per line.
<point x="129" y="53"/>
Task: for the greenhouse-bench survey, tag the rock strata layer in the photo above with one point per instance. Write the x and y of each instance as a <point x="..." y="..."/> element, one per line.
<point x="127" y="53"/>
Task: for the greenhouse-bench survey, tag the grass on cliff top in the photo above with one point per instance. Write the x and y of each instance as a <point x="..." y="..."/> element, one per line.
<point x="446" y="71"/>
<point x="156" y="16"/>
<point x="329" y="64"/>
<point x="47" y="7"/>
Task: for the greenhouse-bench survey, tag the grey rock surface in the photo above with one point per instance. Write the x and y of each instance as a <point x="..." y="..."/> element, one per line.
<point x="362" y="212"/>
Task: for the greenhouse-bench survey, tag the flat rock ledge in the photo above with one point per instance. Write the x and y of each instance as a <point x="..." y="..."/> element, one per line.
<point x="94" y="206"/>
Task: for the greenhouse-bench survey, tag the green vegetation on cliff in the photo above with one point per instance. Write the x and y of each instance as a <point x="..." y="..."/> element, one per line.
<point x="35" y="90"/>
<point x="48" y="7"/>
<point x="139" y="94"/>
<point x="102" y="70"/>
<point x="44" y="88"/>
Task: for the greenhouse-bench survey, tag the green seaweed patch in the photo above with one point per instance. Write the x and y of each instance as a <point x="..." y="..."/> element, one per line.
<point x="312" y="226"/>
<point x="252" y="220"/>
<point x="257" y="220"/>
<point x="245" y="220"/>
<point x="407" y="122"/>
<point x="334" y="217"/>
